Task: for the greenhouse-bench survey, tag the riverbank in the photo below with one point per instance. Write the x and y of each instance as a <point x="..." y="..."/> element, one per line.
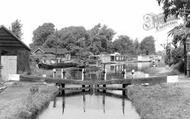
<point x="24" y="100"/>
<point x="165" y="101"/>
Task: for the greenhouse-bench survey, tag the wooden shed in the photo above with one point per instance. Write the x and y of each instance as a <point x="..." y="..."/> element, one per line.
<point x="14" y="54"/>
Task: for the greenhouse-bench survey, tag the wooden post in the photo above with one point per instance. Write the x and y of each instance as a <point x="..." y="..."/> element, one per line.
<point x="63" y="74"/>
<point x="97" y="86"/>
<point x="90" y="88"/>
<point x="123" y="73"/>
<point x="54" y="73"/>
<point x="124" y="90"/>
<point x="63" y="90"/>
<point x="104" y="86"/>
<point x="83" y="86"/>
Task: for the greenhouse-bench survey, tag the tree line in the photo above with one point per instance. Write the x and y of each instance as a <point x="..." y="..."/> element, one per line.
<point x="178" y="55"/>
<point x="99" y="39"/>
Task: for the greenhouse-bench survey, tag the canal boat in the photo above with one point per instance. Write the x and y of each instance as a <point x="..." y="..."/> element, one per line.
<point x="60" y="65"/>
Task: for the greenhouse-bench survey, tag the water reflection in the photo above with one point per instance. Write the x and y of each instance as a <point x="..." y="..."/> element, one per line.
<point x="109" y="105"/>
<point x="84" y="102"/>
<point x="63" y="105"/>
<point x="117" y="68"/>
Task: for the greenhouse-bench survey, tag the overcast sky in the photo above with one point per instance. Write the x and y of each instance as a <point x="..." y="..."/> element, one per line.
<point x="124" y="16"/>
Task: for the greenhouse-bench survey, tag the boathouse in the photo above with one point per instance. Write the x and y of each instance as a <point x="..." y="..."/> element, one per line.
<point x="51" y="55"/>
<point x="14" y="54"/>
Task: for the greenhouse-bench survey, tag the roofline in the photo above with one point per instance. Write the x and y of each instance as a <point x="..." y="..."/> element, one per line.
<point x="38" y="49"/>
<point x="15" y="37"/>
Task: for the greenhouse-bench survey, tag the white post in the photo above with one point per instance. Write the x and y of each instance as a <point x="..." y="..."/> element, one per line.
<point x="125" y="75"/>
<point x="82" y="74"/>
<point x="62" y="75"/>
<point x="54" y="73"/>
<point x="105" y="74"/>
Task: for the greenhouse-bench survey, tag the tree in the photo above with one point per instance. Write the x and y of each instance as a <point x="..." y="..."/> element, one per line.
<point x="124" y="45"/>
<point x="52" y="42"/>
<point x="179" y="8"/>
<point x="41" y="34"/>
<point x="72" y="35"/>
<point x="100" y="37"/>
<point x="136" y="47"/>
<point x="16" y="28"/>
<point x="76" y="39"/>
<point x="177" y="54"/>
<point x="148" y="45"/>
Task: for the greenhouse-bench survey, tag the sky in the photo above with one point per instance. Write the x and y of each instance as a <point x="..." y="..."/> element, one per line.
<point x="125" y="17"/>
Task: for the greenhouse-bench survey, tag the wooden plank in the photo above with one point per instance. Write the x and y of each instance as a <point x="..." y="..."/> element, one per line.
<point x="6" y="39"/>
<point x="159" y="79"/>
<point x="10" y="45"/>
<point x="97" y="88"/>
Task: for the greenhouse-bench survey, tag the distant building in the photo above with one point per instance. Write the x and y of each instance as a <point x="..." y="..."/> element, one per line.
<point x="14" y="54"/>
<point x="115" y="57"/>
<point x="51" y="55"/>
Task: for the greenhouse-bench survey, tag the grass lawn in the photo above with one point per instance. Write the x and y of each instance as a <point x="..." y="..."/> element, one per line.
<point x="19" y="101"/>
<point x="165" y="101"/>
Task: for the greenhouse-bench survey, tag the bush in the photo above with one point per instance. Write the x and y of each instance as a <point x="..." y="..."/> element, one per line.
<point x="34" y="89"/>
<point x="179" y="66"/>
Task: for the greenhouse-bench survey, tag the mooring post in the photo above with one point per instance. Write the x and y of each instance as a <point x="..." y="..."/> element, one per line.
<point x="54" y="73"/>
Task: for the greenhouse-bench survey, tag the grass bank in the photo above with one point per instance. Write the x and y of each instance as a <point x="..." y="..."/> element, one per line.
<point x="25" y="100"/>
<point x="165" y="101"/>
<point x="160" y="71"/>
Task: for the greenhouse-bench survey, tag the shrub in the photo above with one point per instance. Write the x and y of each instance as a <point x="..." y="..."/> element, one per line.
<point x="34" y="89"/>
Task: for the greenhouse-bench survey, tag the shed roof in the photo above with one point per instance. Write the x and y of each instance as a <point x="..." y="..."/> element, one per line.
<point x="8" y="39"/>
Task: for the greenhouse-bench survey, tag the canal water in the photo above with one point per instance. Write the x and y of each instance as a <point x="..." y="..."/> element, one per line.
<point x="80" y="105"/>
<point x="96" y="105"/>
